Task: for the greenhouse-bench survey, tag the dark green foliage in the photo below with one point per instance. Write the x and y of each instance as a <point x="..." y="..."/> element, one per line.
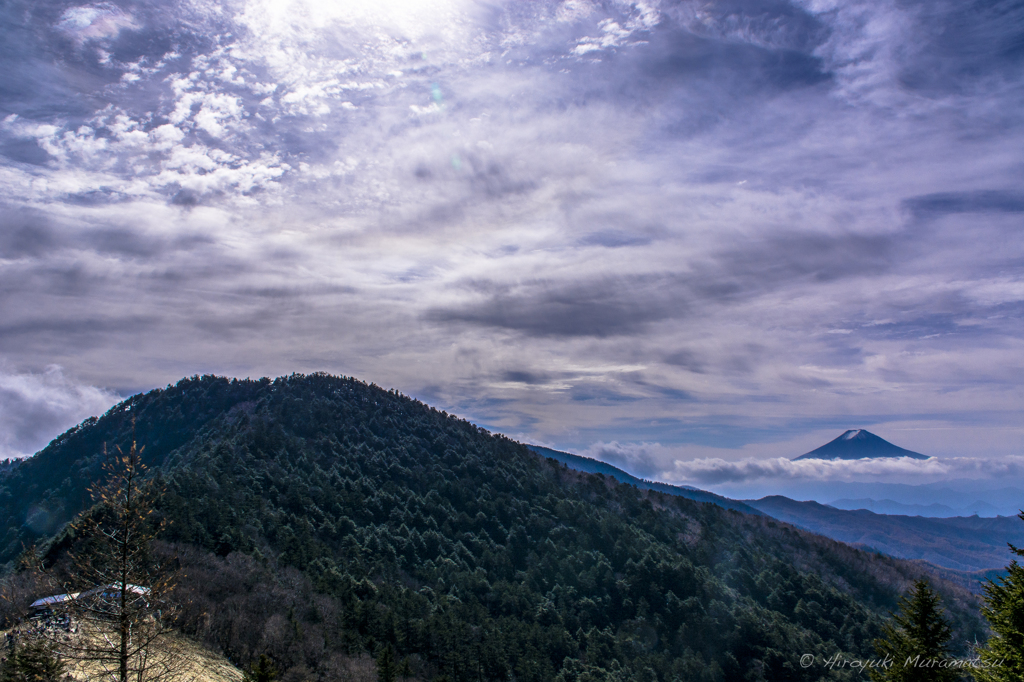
<point x="8" y="465"/>
<point x="317" y="518"/>
<point x="33" y="661"/>
<point x="915" y="643"/>
<point x="261" y="670"/>
<point x="1003" y="655"/>
<point x="42" y="493"/>
<point x="387" y="671"/>
<point x="405" y="669"/>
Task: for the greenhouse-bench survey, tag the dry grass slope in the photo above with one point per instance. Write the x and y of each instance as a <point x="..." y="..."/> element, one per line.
<point x="194" y="662"/>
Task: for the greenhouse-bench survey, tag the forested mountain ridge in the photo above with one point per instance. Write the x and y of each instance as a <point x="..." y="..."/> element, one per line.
<point x="965" y="547"/>
<point x="593" y="466"/>
<point x="318" y="518"/>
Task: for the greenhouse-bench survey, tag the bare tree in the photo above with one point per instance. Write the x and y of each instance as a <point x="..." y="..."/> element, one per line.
<point x="121" y="607"/>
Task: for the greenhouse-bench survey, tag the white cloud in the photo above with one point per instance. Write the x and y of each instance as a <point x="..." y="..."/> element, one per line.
<point x="716" y="471"/>
<point x="218" y="113"/>
<point x="868" y="43"/>
<point x="639" y="19"/>
<point x="639" y="459"/>
<point x="36" y="407"/>
<point x="782" y="471"/>
<point x="573" y="10"/>
<point x="95" y="22"/>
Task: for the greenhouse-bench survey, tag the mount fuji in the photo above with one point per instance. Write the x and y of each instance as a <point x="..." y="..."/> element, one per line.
<point x="859" y="444"/>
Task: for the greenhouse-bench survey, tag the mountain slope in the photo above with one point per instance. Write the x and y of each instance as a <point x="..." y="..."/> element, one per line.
<point x="42" y="493"/>
<point x="859" y="444"/>
<point x="318" y="518"/>
<point x="960" y="543"/>
<point x="196" y="663"/>
<point x="966" y="544"/>
<point x="593" y="466"/>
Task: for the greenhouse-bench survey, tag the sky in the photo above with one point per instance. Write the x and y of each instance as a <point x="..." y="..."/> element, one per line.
<point x="695" y="239"/>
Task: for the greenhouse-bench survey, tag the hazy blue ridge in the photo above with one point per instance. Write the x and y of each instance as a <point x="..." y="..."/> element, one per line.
<point x="933" y="510"/>
<point x="963" y="496"/>
<point x="593" y="466"/>
<point x="970" y="543"/>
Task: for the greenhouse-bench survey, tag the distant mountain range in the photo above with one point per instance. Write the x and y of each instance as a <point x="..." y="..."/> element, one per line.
<point x="859" y="444"/>
<point x="942" y="498"/>
<point x="933" y="510"/>
<point x="961" y="545"/>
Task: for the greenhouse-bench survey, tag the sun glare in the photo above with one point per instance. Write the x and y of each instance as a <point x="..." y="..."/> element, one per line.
<point x="409" y="17"/>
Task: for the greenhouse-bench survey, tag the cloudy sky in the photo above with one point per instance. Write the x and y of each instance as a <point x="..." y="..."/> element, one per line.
<point x="688" y="237"/>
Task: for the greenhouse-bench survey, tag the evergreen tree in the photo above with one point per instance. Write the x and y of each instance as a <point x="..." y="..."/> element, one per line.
<point x="34" y="661"/>
<point x="387" y="671"/>
<point x="261" y="670"/>
<point x="1002" y="657"/>
<point x="915" y="642"/>
<point x="405" y="669"/>
<point x="121" y="602"/>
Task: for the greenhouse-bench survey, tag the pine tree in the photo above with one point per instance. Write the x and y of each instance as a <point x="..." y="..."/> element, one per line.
<point x="386" y="669"/>
<point x="34" y="661"/>
<point x="262" y="670"/>
<point x="915" y="643"/>
<point x="405" y="669"/>
<point x="1002" y="658"/>
<point x="120" y="593"/>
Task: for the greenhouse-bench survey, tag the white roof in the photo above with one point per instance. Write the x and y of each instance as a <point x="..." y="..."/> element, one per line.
<point x="55" y="599"/>
<point x="100" y="589"/>
<point x="115" y="588"/>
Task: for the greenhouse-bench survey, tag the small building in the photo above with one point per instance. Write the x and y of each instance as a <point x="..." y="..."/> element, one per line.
<point x="112" y="591"/>
<point x="104" y="593"/>
<point x="48" y="603"/>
